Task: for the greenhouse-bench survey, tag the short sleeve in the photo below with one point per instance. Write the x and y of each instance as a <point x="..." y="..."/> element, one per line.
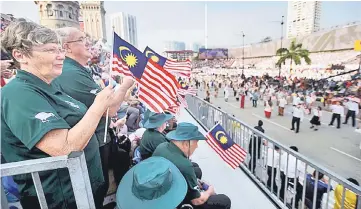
<point x="29" y="115"/>
<point x="194" y="191"/>
<point x="78" y="85"/>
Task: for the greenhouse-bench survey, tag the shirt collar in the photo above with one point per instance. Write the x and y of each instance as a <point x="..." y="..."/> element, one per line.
<point x="33" y="79"/>
<point x="70" y="61"/>
<point x="175" y="149"/>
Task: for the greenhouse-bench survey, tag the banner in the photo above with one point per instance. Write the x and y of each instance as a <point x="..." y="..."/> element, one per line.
<point x="357" y="45"/>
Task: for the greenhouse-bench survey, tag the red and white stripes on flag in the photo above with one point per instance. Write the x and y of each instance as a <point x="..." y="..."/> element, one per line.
<point x="157" y="88"/>
<point x="119" y="67"/>
<point x="182" y="69"/>
<point x="183" y="101"/>
<point x="233" y="156"/>
<point x="190" y="90"/>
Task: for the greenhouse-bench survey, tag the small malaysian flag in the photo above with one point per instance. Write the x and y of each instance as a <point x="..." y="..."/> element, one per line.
<point x="185" y="89"/>
<point x="182" y="69"/>
<point x="157" y="88"/>
<point x="221" y="142"/>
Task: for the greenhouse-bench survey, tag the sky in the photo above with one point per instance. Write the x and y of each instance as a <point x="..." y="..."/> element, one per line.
<point x="158" y="22"/>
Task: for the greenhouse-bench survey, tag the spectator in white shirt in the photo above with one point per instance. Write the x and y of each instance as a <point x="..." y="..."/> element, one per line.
<point x="353" y="110"/>
<point x="281" y="106"/>
<point x="289" y="168"/>
<point x="337" y="113"/>
<point x="272" y="164"/>
<point x="298" y="114"/>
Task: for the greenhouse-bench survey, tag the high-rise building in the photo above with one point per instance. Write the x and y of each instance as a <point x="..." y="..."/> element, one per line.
<point x="125" y="26"/>
<point x="195" y="47"/>
<point x="93" y="19"/>
<point x="303" y="18"/>
<point x="58" y="14"/>
<point x="174" y="46"/>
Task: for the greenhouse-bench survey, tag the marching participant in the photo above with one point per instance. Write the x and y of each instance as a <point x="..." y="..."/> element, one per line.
<point x="353" y="110"/>
<point x="316" y="119"/>
<point x="298" y="114"/>
<point x="337" y="113"/>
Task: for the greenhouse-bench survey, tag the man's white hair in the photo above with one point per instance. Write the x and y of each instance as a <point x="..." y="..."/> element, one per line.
<point x="66" y="34"/>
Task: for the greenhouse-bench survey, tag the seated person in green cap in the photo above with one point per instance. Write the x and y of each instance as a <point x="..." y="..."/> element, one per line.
<point x="184" y="141"/>
<point x="155" y="123"/>
<point x="155" y="183"/>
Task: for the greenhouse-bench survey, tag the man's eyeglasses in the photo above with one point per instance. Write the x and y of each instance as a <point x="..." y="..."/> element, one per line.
<point x="53" y="50"/>
<point x="81" y="39"/>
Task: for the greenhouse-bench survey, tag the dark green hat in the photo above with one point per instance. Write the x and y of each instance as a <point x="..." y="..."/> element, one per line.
<point x="155" y="120"/>
<point x="153" y="183"/>
<point x="185" y="131"/>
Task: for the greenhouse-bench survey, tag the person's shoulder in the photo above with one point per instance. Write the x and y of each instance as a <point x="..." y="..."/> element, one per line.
<point x="161" y="149"/>
<point x="17" y="88"/>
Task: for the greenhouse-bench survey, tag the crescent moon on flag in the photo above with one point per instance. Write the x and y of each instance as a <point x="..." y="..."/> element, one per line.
<point x="122" y="48"/>
<point x="152" y="56"/>
<point x="218" y="133"/>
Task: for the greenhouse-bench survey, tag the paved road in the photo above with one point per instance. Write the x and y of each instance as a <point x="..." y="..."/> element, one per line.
<point x="336" y="149"/>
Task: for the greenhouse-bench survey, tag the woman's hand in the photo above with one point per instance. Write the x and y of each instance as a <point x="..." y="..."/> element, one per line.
<point x="104" y="98"/>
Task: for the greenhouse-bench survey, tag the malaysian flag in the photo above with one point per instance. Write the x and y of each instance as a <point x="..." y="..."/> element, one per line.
<point x="185" y="89"/>
<point x="182" y="69"/>
<point x="157" y="87"/>
<point x="225" y="147"/>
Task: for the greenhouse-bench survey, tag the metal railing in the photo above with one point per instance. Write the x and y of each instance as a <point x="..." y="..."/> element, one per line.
<point x="289" y="170"/>
<point x="78" y="171"/>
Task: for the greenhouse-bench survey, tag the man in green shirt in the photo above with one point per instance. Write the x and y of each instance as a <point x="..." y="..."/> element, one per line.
<point x="155" y="123"/>
<point x="77" y="82"/>
<point x="184" y="141"/>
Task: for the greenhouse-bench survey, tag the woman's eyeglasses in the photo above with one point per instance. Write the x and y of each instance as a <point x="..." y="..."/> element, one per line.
<point x="53" y="50"/>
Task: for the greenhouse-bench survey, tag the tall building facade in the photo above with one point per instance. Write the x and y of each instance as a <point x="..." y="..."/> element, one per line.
<point x="125" y="26"/>
<point x="92" y="19"/>
<point x="174" y="46"/>
<point x="303" y="18"/>
<point x="58" y="14"/>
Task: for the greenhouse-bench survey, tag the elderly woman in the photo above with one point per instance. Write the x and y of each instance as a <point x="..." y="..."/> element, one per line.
<point x="39" y="121"/>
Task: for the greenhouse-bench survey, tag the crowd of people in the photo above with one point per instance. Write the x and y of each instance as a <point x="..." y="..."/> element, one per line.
<point x="308" y="96"/>
<point x="58" y="98"/>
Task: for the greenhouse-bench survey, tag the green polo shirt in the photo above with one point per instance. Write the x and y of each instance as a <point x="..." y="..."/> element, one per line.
<point x="171" y="152"/>
<point x="77" y="82"/>
<point x="150" y="141"/>
<point x="30" y="109"/>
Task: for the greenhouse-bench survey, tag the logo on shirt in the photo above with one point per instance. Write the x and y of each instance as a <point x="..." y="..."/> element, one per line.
<point x="197" y="188"/>
<point x="43" y="116"/>
<point x="72" y="104"/>
<point x="94" y="91"/>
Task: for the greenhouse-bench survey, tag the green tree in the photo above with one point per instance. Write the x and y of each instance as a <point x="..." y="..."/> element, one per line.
<point x="295" y="53"/>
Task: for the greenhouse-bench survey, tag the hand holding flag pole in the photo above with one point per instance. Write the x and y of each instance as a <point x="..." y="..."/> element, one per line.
<point x="109" y="83"/>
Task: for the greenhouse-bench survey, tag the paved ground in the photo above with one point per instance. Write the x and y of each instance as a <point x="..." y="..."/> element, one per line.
<point x="336" y="149"/>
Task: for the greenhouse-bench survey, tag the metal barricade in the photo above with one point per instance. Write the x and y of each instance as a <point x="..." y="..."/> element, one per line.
<point x="280" y="171"/>
<point x="78" y="171"/>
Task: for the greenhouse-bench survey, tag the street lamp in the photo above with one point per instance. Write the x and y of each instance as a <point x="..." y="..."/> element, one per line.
<point x="243" y="51"/>
<point x="279" y="71"/>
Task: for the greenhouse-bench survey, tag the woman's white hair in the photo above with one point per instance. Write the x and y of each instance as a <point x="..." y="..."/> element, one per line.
<point x="23" y="35"/>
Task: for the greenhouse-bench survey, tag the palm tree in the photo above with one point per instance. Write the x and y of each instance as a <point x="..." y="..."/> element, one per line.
<point x="294" y="53"/>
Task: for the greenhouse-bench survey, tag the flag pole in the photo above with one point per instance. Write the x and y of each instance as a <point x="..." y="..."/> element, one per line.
<point x="109" y="80"/>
